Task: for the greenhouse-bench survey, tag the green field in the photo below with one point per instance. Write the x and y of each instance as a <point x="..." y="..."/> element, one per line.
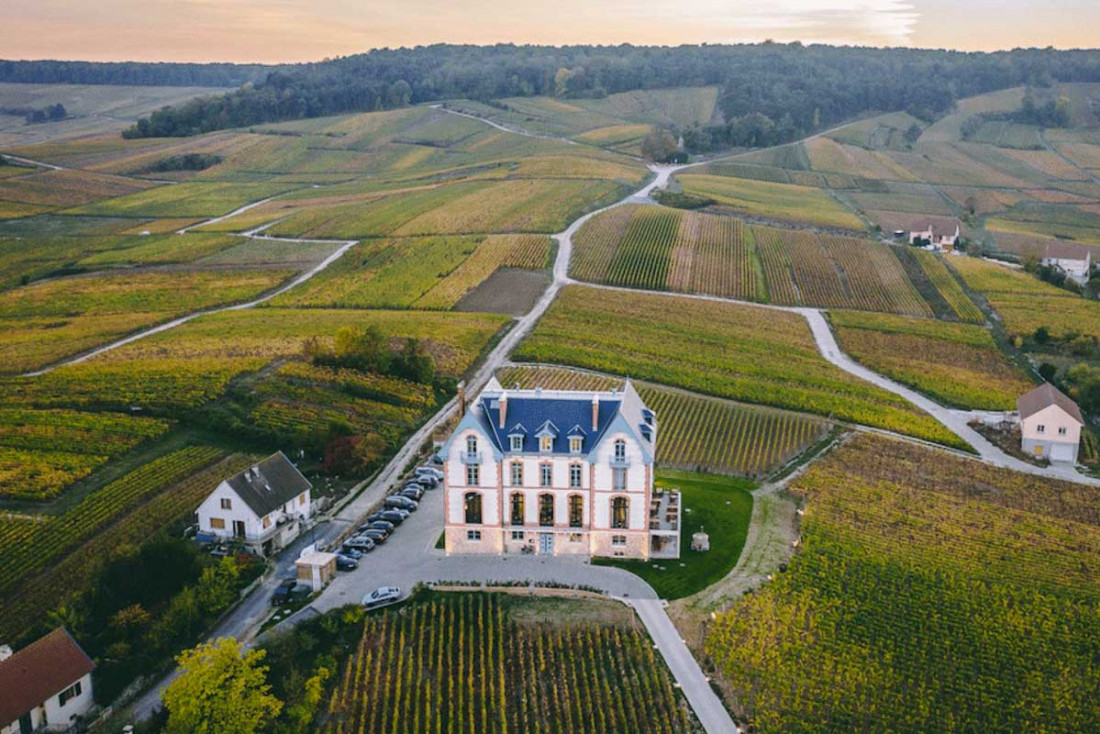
<point x="929" y="593"/>
<point x="725" y="350"/>
<point x="771" y="200"/>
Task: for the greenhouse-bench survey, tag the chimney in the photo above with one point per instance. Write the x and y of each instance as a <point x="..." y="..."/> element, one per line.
<point x="5" y="652"/>
<point x="595" y="411"/>
<point x="462" y="398"/>
<point x="503" y="409"/>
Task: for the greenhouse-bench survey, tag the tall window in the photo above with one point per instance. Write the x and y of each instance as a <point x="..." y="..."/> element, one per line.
<point x="576" y="511"/>
<point x="472" y="506"/>
<point x="517" y="473"/>
<point x="618" y="513"/>
<point x="575" y="475"/>
<point x="517" y="443"/>
<point x="473" y="475"/>
<point x="546" y="475"/>
<point x="226" y="503"/>
<point x="517" y="508"/>
<point x="471" y="445"/>
<point x="620" y="450"/>
<point x="618" y="480"/>
<point x="546" y="510"/>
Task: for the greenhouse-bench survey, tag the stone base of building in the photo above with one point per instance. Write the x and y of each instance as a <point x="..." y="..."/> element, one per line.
<point x="465" y="540"/>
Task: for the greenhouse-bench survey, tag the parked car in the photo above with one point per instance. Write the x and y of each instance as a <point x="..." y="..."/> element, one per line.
<point x="350" y="553"/>
<point x="286" y="594"/>
<point x="377" y="535"/>
<point x="360" y="542"/>
<point x="346" y="563"/>
<point x="381" y="524"/>
<point x="398" y="502"/>
<point x="394" y="516"/>
<point x="382" y="596"/>
<point x="429" y="471"/>
<point x="413" y="493"/>
<point x="419" y="486"/>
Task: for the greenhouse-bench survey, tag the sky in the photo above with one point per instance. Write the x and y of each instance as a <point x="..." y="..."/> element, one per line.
<point x="272" y="31"/>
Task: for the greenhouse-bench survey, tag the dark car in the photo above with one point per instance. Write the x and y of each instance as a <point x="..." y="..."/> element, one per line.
<point x="381" y="525"/>
<point x="413" y="493"/>
<point x="350" y="553"/>
<point x="398" y="502"/>
<point x="361" y="543"/>
<point x="393" y="516"/>
<point x="286" y="594"/>
<point x="377" y="535"/>
<point x="346" y="563"/>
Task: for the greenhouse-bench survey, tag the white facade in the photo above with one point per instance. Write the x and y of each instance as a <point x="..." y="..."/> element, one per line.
<point x="945" y="240"/>
<point x="1074" y="267"/>
<point x="1051" y="433"/>
<point x="52" y="714"/>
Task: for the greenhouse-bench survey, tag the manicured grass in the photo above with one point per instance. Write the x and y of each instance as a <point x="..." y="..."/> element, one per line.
<point x="722" y="507"/>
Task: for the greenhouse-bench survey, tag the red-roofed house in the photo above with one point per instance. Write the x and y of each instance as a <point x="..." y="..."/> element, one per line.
<point x="1050" y="424"/>
<point x="46" y="686"/>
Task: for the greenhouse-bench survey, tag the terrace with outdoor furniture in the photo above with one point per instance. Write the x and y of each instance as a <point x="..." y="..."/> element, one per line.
<point x="664" y="523"/>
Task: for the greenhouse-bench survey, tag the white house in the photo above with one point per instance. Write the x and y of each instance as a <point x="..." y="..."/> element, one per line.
<point x="46" y="686"/>
<point x="1050" y="424"/>
<point x="264" y="506"/>
<point x="940" y="233"/>
<point x="1071" y="258"/>
<point x="557" y="472"/>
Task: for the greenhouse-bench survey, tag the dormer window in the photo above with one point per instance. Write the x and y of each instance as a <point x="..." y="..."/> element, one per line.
<point x="575" y="444"/>
<point x="546" y="444"/>
<point x="517" y="443"/>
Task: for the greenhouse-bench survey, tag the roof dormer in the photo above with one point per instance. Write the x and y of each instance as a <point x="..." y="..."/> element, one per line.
<point x="546" y="434"/>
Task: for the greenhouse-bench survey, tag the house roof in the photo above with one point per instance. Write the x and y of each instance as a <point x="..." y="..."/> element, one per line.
<point x="559" y="408"/>
<point x="42" y="669"/>
<point x="919" y="223"/>
<point x="1060" y="250"/>
<point x="270" y="484"/>
<point x="1042" y="398"/>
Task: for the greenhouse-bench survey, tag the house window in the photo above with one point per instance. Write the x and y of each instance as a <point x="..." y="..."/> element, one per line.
<point x="546" y="510"/>
<point x="620" y="450"/>
<point x="575" y="476"/>
<point x="575" y="537"/>
<point x="517" y="535"/>
<point x="575" y="444"/>
<point x="473" y="475"/>
<point x="576" y="511"/>
<point x="546" y="475"/>
<point x="474" y="535"/>
<point x="619" y="513"/>
<point x="302" y="499"/>
<point x="1040" y="428"/>
<point x="226" y="503"/>
<point x="217" y="523"/>
<point x="546" y="444"/>
<point x="472" y="507"/>
<point x="267" y="521"/>
<point x="471" y="445"/>
<point x="1061" y="430"/>
<point x="517" y="443"/>
<point x="517" y="508"/>
<point x="618" y="480"/>
<point x="618" y="540"/>
<point x="69" y="693"/>
<point x="517" y="473"/>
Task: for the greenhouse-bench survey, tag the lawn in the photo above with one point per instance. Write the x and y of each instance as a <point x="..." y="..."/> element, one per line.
<point x="772" y="200"/>
<point x="722" y="507"/>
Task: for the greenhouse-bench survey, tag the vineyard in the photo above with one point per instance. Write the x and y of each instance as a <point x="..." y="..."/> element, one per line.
<point x="531" y="252"/>
<point x="956" y="364"/>
<point x="42" y="452"/>
<point x="720" y="349"/>
<point x="775" y="201"/>
<point x="930" y="593"/>
<point x="697" y="433"/>
<point x="71" y="547"/>
<point x="949" y="288"/>
<point x="465" y="662"/>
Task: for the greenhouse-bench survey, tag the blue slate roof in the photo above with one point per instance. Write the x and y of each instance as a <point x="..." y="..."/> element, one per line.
<point x="568" y="412"/>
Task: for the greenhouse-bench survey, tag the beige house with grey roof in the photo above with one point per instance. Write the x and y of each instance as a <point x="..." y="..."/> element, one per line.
<point x="1050" y="424"/>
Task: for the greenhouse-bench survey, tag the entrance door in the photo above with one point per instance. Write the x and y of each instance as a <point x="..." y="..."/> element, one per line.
<point x="238" y="528"/>
<point x="25" y="724"/>
<point x="546" y="544"/>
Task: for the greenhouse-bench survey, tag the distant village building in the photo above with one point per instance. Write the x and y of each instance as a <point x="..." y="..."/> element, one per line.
<point x="1071" y="258"/>
<point x="265" y="506"/>
<point x="557" y="472"/>
<point x="942" y="234"/>
<point x="46" y="686"/>
<point x="1050" y="424"/>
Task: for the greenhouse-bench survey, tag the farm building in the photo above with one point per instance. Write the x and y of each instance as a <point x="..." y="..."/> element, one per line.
<point x="1050" y="424"/>
<point x="263" y="507"/>
<point x="46" y="686"/>
<point x="1072" y="259"/>
<point x="557" y="472"/>
<point x="940" y="233"/>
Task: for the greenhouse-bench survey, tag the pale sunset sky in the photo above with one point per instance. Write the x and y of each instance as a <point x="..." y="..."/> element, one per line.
<point x="273" y="31"/>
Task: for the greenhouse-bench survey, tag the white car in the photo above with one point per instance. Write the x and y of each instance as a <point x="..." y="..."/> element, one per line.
<point x="381" y="597"/>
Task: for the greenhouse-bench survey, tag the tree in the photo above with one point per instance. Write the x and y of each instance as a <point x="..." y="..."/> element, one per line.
<point x="220" y="691"/>
<point x="658" y="145"/>
<point x="1048" y="371"/>
<point x="414" y="363"/>
<point x="1041" y="335"/>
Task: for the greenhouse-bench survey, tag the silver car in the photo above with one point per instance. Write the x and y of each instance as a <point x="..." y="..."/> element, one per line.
<point x="382" y="596"/>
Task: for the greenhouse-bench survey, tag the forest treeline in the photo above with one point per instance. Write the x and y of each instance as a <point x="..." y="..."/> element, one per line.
<point x="769" y="92"/>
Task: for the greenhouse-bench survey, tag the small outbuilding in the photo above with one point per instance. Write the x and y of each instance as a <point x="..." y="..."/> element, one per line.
<point x="315" y="568"/>
<point x="700" y="541"/>
<point x="1050" y="424"/>
<point x="46" y="686"/>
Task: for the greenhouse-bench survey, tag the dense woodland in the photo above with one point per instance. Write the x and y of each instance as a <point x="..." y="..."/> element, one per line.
<point x="770" y="92"/>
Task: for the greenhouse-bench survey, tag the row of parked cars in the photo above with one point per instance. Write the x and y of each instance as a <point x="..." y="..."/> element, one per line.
<point x="380" y="525"/>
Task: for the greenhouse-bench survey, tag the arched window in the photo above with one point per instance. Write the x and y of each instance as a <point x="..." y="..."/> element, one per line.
<point x="620" y="450"/>
<point x="472" y="505"/>
<point x="546" y="510"/>
<point x="517" y="508"/>
<point x="471" y="445"/>
<point x="619" y="513"/>
<point x="576" y="511"/>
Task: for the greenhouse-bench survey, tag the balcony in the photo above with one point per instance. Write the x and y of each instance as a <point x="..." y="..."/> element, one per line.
<point x="620" y="462"/>
<point x="471" y="457"/>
